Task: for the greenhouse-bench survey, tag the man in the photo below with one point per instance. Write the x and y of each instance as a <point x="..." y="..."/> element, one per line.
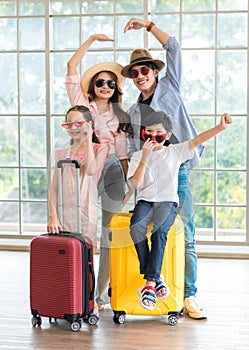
<point x="165" y="95"/>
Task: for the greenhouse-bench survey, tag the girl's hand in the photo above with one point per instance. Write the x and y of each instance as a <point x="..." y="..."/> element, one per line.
<point x="136" y="24"/>
<point x="147" y="149"/>
<point x="225" y="120"/>
<point x="54" y="225"/>
<point x="87" y="128"/>
<point x="102" y="37"/>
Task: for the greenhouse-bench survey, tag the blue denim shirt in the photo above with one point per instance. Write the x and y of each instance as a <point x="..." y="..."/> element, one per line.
<point x="167" y="98"/>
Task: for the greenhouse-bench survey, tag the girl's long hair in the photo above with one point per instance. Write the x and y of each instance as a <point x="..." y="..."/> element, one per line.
<point x="116" y="100"/>
<point x="87" y="116"/>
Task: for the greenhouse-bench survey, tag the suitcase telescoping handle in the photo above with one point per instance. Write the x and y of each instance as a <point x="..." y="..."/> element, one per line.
<point x="77" y="166"/>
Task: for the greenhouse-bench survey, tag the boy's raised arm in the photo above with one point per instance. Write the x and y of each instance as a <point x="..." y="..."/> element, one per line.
<point x="225" y="121"/>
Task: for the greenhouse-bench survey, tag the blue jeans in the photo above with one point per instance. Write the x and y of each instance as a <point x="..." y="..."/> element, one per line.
<point x="186" y="211"/>
<point x="111" y="189"/>
<point x="162" y="215"/>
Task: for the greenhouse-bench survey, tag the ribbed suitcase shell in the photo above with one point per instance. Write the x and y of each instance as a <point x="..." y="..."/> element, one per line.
<point x="57" y="284"/>
<point x="125" y="278"/>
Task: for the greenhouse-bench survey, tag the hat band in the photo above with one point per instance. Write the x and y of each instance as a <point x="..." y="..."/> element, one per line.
<point x="141" y="59"/>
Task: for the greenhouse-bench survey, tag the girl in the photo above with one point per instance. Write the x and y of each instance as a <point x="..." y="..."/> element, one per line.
<point x="86" y="149"/>
<point x="99" y="89"/>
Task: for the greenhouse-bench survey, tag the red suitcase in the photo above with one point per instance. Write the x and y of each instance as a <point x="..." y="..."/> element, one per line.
<point x="62" y="277"/>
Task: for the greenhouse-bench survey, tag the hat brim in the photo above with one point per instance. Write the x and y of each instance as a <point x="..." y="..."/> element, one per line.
<point x="113" y="67"/>
<point x="125" y="71"/>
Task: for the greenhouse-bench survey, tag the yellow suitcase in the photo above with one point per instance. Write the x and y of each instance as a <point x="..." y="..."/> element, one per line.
<point x="125" y="278"/>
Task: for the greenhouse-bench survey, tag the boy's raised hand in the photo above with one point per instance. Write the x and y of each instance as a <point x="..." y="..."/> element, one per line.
<point x="226" y="120"/>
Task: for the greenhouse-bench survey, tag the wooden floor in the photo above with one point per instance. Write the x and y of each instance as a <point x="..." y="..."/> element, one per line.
<point x="223" y="290"/>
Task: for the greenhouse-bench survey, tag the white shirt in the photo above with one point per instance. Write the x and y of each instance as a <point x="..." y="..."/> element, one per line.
<point x="160" y="181"/>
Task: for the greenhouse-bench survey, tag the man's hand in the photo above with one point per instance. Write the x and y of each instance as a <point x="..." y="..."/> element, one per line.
<point x="136" y="24"/>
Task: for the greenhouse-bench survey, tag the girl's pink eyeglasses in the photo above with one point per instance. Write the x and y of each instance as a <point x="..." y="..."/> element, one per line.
<point x="76" y="124"/>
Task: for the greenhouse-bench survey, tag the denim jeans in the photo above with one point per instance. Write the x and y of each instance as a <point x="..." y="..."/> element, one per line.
<point x="162" y="215"/>
<point x="111" y="190"/>
<point x="186" y="212"/>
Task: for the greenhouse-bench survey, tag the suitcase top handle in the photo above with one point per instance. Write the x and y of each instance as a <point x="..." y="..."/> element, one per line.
<point x="68" y="160"/>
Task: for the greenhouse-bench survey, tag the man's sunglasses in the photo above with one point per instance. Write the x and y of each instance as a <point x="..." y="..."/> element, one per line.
<point x="158" y="137"/>
<point x="134" y="73"/>
<point x="76" y="124"/>
<point x="101" y="82"/>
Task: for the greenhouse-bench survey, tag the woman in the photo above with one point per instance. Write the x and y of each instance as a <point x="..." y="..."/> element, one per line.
<point x="99" y="89"/>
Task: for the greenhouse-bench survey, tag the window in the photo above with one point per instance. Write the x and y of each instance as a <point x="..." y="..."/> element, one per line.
<point x="38" y="37"/>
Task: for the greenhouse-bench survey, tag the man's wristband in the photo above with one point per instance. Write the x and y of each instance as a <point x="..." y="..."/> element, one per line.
<point x="150" y="25"/>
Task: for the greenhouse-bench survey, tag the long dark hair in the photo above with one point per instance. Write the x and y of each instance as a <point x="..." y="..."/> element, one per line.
<point x="87" y="116"/>
<point x="116" y="100"/>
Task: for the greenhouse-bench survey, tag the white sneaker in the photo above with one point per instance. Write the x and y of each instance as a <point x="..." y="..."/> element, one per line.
<point x="192" y="309"/>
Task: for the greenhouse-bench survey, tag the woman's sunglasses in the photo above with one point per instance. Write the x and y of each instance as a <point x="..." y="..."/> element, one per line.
<point x="158" y="137"/>
<point x="76" y="124"/>
<point x="134" y="73"/>
<point x="101" y="82"/>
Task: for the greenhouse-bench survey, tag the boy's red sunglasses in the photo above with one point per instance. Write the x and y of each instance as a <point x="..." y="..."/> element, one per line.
<point x="76" y="124"/>
<point x="158" y="137"/>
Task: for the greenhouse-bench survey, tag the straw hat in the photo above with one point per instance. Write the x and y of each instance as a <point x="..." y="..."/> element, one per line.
<point x="141" y="56"/>
<point x="100" y="67"/>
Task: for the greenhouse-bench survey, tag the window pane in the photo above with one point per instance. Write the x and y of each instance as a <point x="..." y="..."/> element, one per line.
<point x="204" y="218"/>
<point x="7" y="8"/>
<point x="32" y="83"/>
<point x="169" y="23"/>
<point x="9" y="184"/>
<point x="231" y="224"/>
<point x="32" y="34"/>
<point x="231" y="188"/>
<point x="8" y="34"/>
<point x="231" y="150"/>
<point x="60" y="136"/>
<point x="9" y="144"/>
<point x="34" y="184"/>
<point x="9" y="218"/>
<point x="161" y="5"/>
<point x="131" y="39"/>
<point x="232" y="30"/>
<point x="30" y="8"/>
<point x="33" y="141"/>
<point x="69" y="38"/>
<point x="97" y="6"/>
<point x="199" y="81"/>
<point x="200" y="5"/>
<point x="58" y="90"/>
<point x="202" y="186"/>
<point x="8" y="86"/>
<point x="34" y="218"/>
<point x="232" y="82"/>
<point x="232" y="4"/>
<point x="98" y="24"/>
<point x="65" y="7"/>
<point x="198" y="30"/>
<point x="130" y="6"/>
<point x="207" y="158"/>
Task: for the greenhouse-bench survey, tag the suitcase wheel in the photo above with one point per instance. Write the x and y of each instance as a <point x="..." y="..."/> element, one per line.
<point x="172" y="320"/>
<point x="92" y="320"/>
<point x="36" y="321"/>
<point x="119" y="317"/>
<point x="76" y="325"/>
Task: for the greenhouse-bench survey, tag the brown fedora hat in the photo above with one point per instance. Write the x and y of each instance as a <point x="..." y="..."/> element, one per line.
<point x="139" y="56"/>
<point x="100" y="67"/>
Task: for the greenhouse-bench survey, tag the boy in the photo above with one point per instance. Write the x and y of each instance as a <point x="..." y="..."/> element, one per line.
<point x="153" y="172"/>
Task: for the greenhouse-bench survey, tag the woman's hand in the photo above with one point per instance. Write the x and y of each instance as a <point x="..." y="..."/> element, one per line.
<point x="101" y="37"/>
<point x="226" y="120"/>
